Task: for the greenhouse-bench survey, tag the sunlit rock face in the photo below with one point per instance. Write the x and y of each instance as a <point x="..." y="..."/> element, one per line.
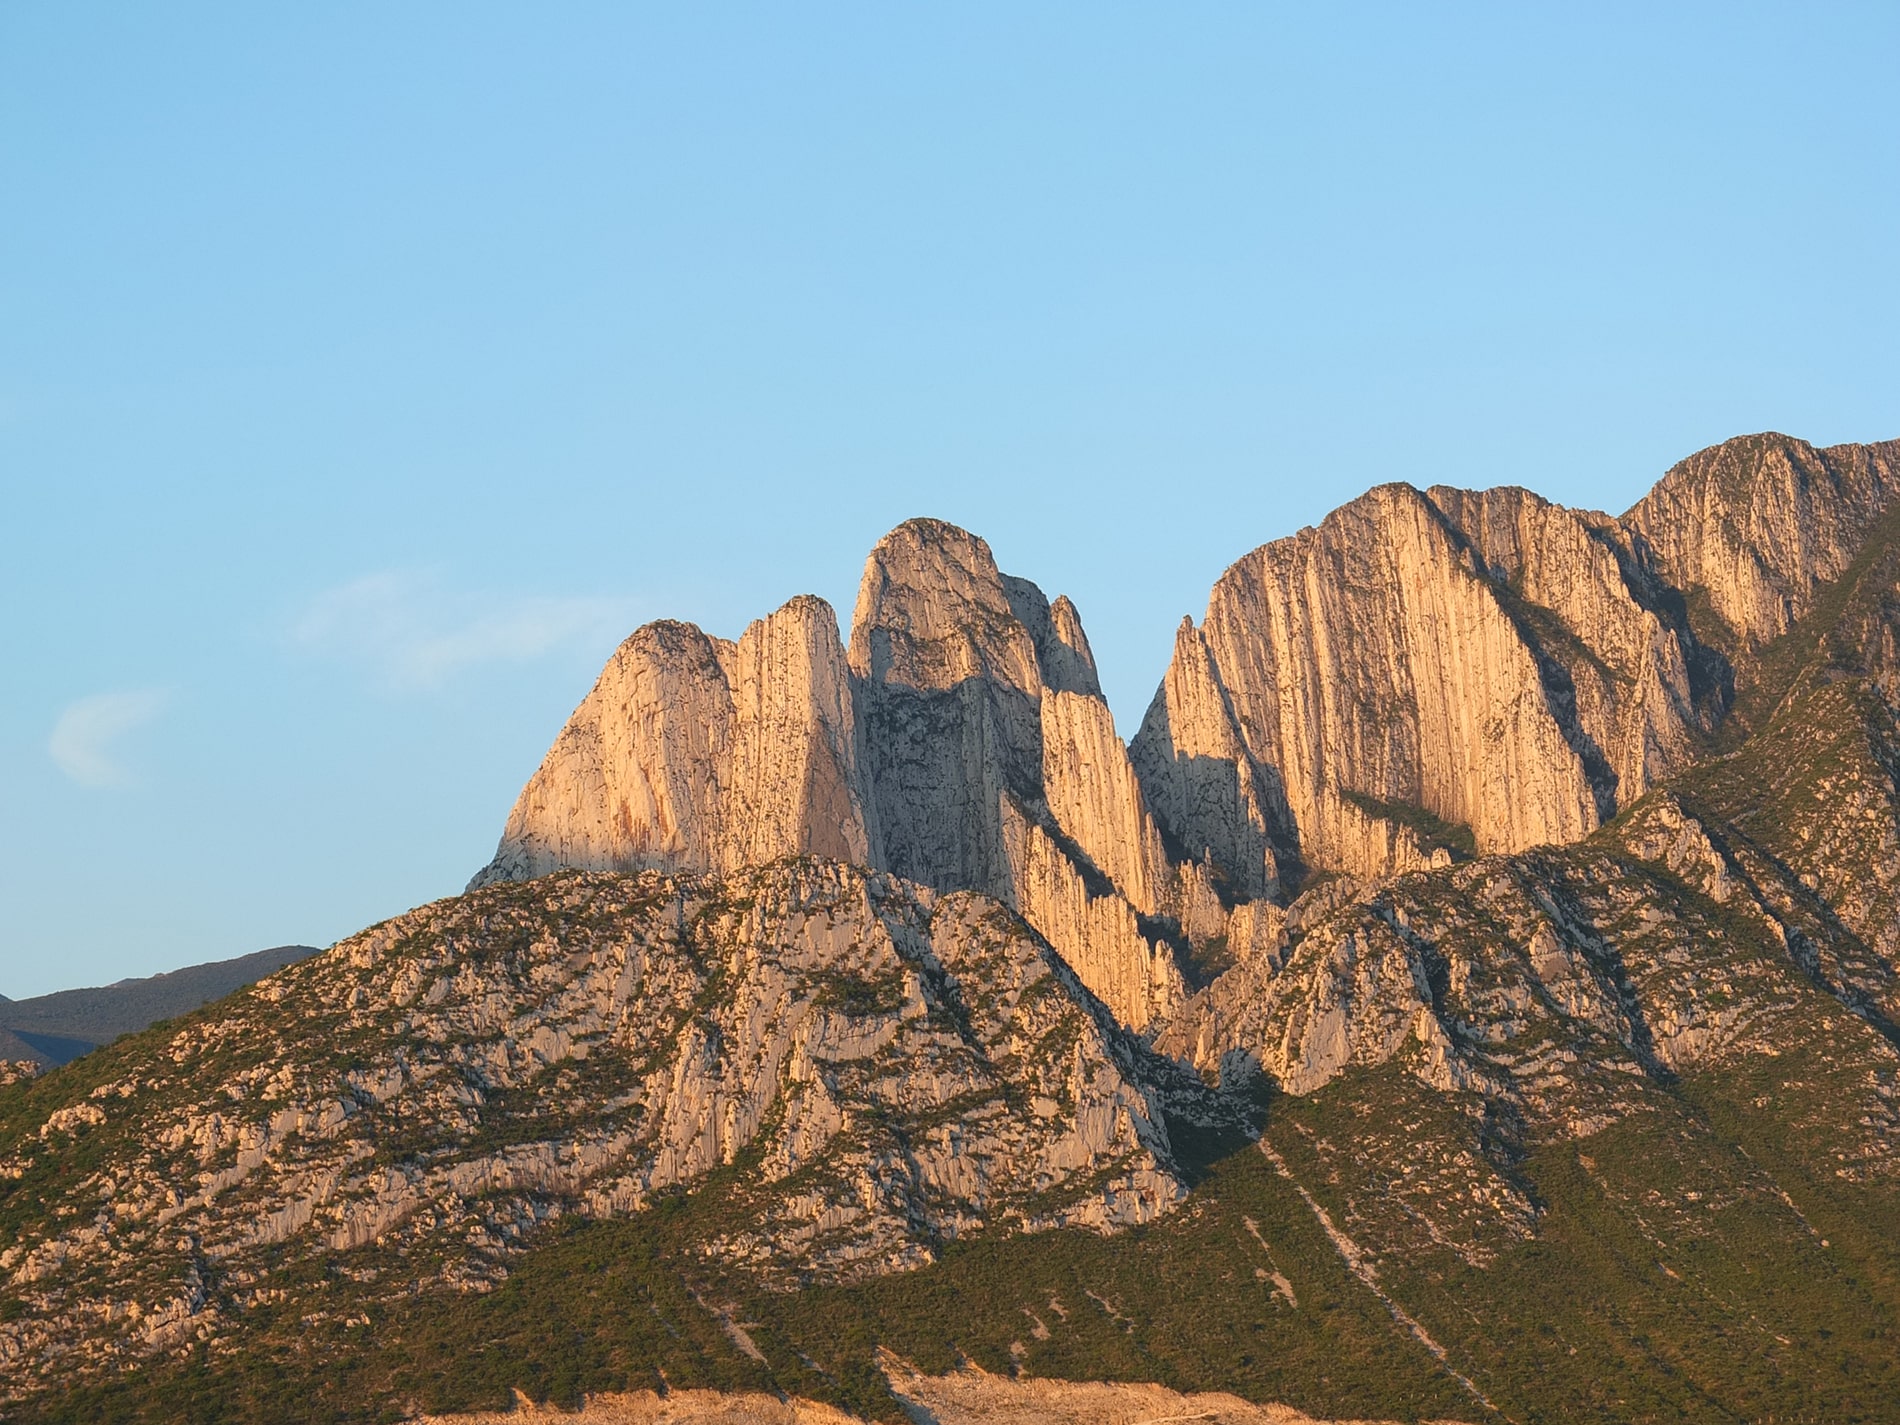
<point x="1517" y="671"/>
<point x="692" y="753"/>
<point x="1490" y="659"/>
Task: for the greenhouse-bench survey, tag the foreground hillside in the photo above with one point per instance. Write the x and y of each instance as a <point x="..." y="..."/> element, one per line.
<point x="582" y="1134"/>
<point x="1475" y="995"/>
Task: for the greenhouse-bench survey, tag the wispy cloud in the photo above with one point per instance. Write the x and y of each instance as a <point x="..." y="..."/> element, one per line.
<point x="415" y="634"/>
<point x="83" y="737"/>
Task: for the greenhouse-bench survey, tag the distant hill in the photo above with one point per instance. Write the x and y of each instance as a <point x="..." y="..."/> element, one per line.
<point x="56" y="1028"/>
<point x="14" y="1049"/>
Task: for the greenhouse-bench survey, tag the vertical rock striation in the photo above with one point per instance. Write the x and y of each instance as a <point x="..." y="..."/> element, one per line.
<point x="791" y="787"/>
<point x="691" y="753"/>
<point x="633" y="781"/>
<point x="1429" y="673"/>
<point x="1372" y="670"/>
<point x="1615" y="661"/>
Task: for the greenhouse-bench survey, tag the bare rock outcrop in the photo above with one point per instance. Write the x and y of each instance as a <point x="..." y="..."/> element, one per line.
<point x="1423" y="678"/>
<point x="1427" y="664"/>
<point x="948" y="685"/>
<point x="1614" y="660"/>
<point x="692" y="753"/>
<point x="792" y="786"/>
<point x="1562" y="986"/>
<point x="633" y="779"/>
<point x="1198" y="774"/>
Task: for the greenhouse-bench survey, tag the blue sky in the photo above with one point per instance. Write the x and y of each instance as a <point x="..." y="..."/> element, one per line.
<point x="366" y="372"/>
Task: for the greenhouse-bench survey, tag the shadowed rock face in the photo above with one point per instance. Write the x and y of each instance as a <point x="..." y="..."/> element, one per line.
<point x="991" y="759"/>
<point x="950" y="684"/>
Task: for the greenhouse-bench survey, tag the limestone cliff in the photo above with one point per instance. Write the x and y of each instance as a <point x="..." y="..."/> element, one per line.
<point x="692" y="753"/>
<point x="791" y="787"/>
<point x="1424" y="677"/>
<point x="1426" y="666"/>
<point x="633" y="780"/>
<point x="1615" y="660"/>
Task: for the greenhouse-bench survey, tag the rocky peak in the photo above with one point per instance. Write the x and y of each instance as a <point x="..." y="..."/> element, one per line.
<point x="991" y="760"/>
<point x="1208" y="793"/>
<point x="1754" y="526"/>
<point x="1066" y="662"/>
<point x="792" y="786"/>
<point x="1433" y="851"/>
<point x="1427" y="674"/>
<point x="634" y="778"/>
<point x="691" y="753"/>
<point x="1424" y="677"/>
<point x="933" y="611"/>
<point x="962" y="743"/>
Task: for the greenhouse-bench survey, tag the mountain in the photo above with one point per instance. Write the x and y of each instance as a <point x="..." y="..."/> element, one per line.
<point x="1474" y="994"/>
<point x="60" y="1026"/>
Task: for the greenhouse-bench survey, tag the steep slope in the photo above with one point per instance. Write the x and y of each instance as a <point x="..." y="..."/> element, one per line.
<point x="1559" y="985"/>
<point x="1619" y="662"/>
<point x="1378" y="665"/>
<point x="1429" y="670"/>
<point x="986" y="773"/>
<point x="1818" y="794"/>
<point x="1423" y="677"/>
